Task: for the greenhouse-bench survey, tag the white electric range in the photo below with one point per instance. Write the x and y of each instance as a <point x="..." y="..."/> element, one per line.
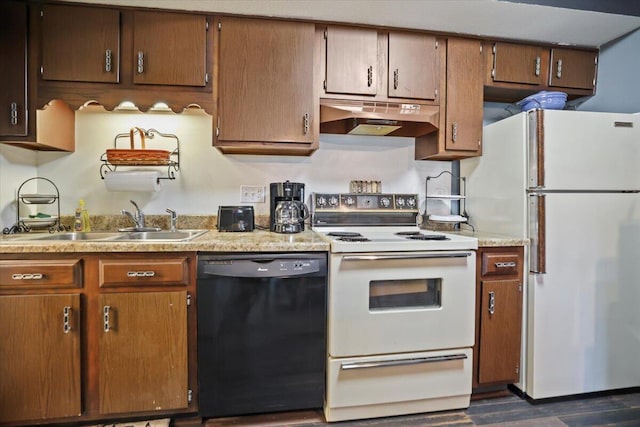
<point x="400" y="308"/>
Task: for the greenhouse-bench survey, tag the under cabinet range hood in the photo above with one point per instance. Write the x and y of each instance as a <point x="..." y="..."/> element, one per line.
<point x="353" y="117"/>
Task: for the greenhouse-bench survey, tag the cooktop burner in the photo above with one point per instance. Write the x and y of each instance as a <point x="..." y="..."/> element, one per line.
<point x="354" y="239"/>
<point x="344" y="234"/>
<point x="408" y="233"/>
<point x="428" y="237"/>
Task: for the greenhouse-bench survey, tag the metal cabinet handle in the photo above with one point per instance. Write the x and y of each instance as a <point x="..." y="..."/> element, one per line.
<point x="510" y="264"/>
<point x="27" y="276"/>
<point x="14" y="113"/>
<point x="454" y="131"/>
<point x="107" y="60"/>
<point x="106" y="321"/>
<point x="492" y="302"/>
<point x="140" y="62"/>
<point x="66" y="319"/>
<point x="141" y="273"/>
<point x="370" y="75"/>
<point x="305" y="123"/>
<point x="559" y="69"/>
<point x="402" y="362"/>
<point x="395" y="78"/>
<point x="537" y="67"/>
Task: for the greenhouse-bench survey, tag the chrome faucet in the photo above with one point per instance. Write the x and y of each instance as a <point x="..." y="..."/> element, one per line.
<point x="174" y="219"/>
<point x="138" y="218"/>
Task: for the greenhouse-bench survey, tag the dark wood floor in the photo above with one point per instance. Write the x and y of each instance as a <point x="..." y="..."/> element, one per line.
<point x="510" y="411"/>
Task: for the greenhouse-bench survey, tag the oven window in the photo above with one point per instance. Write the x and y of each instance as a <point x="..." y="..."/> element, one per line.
<point x="398" y="294"/>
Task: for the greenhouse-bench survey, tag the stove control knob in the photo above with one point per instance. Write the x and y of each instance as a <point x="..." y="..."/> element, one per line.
<point x="385" y="202"/>
<point x="333" y="201"/>
<point x="321" y="202"/>
<point x="411" y="202"/>
<point x="350" y="201"/>
<point x="400" y="202"/>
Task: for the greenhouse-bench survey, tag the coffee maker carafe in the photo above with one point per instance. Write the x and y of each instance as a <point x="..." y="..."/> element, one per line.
<point x="288" y="210"/>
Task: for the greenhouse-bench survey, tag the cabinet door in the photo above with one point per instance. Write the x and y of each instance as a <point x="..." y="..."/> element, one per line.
<point x="413" y="66"/>
<point x="169" y="48"/>
<point x="573" y="68"/>
<point x="515" y="63"/>
<point x="500" y="331"/>
<point x="352" y="60"/>
<point x="40" y="354"/>
<point x="143" y="352"/>
<point x="464" y="101"/>
<point x="80" y="44"/>
<point x="266" y="81"/>
<point x="13" y="69"/>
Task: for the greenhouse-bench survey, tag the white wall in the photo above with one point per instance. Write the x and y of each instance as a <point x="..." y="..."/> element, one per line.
<point x="208" y="178"/>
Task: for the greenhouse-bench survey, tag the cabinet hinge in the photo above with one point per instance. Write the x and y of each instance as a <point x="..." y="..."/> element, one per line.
<point x="206" y="25"/>
<point x="517" y="369"/>
<point x="326" y="34"/>
<point x="436" y="44"/>
<point x="189" y="395"/>
<point x="480" y="48"/>
<point x="41" y="13"/>
<point x="519" y="287"/>
<point x="219" y="26"/>
<point x="188" y="300"/>
<point x="436" y="93"/>
<point x="218" y="127"/>
<point x="494" y="49"/>
<point x="206" y="78"/>
<point x="324" y="84"/>
<point x="42" y="70"/>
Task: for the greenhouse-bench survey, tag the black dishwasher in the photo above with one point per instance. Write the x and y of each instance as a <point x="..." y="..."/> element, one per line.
<point x="261" y="332"/>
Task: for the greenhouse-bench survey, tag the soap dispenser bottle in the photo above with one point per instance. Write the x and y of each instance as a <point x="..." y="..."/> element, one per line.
<point x="81" y="221"/>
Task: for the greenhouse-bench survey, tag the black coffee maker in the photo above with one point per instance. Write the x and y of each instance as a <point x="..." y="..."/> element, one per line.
<point x="288" y="210"/>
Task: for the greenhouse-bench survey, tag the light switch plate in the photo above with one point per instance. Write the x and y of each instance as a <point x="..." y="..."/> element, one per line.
<point x="252" y="194"/>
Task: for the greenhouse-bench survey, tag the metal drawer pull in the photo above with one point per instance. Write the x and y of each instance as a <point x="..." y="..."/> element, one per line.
<point x="140" y="62"/>
<point x="402" y="362"/>
<point x="27" y="276"/>
<point x="537" y="70"/>
<point x="510" y="264"/>
<point x="107" y="60"/>
<point x="454" y="131"/>
<point x="305" y="123"/>
<point x="492" y="302"/>
<point x="395" y="79"/>
<point x="417" y="256"/>
<point x="66" y="322"/>
<point x="105" y="318"/>
<point x="559" y="69"/>
<point x="14" y="113"/>
<point x="370" y="76"/>
<point x="141" y="273"/>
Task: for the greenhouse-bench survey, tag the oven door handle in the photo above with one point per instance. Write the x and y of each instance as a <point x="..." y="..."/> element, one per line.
<point x="404" y="256"/>
<point x="403" y="362"/>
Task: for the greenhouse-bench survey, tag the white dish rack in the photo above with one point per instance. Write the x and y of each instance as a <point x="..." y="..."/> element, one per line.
<point x="451" y="217"/>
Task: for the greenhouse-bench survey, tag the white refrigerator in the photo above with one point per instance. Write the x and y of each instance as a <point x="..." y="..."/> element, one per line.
<point x="569" y="182"/>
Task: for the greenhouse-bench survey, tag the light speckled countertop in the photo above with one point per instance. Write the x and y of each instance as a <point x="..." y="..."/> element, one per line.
<point x="492" y="239"/>
<point x="212" y="241"/>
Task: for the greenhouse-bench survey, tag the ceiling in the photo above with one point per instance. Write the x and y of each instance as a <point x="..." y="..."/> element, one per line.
<point x="589" y="23"/>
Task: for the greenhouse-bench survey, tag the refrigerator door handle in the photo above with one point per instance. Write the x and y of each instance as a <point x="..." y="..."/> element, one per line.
<point x="536" y="148"/>
<point x="537" y="230"/>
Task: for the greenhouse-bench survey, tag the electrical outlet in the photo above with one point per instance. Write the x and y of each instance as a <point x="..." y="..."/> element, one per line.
<point x="252" y="194"/>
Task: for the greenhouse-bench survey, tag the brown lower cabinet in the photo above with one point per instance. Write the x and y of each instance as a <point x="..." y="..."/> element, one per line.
<point x="499" y="297"/>
<point x="96" y="336"/>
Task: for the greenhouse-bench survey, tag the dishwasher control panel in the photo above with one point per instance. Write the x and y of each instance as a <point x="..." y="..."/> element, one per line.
<point x="258" y="267"/>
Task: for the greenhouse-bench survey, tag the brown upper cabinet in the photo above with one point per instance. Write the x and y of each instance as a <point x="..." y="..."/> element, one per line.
<point x="460" y="132"/>
<point x="265" y="98"/>
<point x="170" y="48"/>
<point x="80" y="44"/>
<point x="524" y="69"/>
<point x="380" y="65"/>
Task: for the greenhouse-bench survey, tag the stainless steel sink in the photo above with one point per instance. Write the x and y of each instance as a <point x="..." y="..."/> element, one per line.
<point x="130" y="236"/>
<point x="155" y="236"/>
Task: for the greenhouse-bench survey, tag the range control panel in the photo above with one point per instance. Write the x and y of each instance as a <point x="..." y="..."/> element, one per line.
<point x="364" y="202"/>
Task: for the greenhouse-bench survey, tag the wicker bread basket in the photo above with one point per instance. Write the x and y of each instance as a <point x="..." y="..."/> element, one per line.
<point x="135" y="156"/>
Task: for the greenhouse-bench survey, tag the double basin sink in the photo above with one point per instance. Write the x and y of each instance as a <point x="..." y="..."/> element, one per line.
<point x="118" y="236"/>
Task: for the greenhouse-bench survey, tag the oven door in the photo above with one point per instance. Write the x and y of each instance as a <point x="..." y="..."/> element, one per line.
<point x="381" y="303"/>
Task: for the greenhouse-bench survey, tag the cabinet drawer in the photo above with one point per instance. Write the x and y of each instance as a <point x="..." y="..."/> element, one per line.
<point x="145" y="272"/>
<point x="36" y="274"/>
<point x="500" y="264"/>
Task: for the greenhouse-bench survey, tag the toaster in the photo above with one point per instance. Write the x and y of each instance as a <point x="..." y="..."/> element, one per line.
<point x="235" y="218"/>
